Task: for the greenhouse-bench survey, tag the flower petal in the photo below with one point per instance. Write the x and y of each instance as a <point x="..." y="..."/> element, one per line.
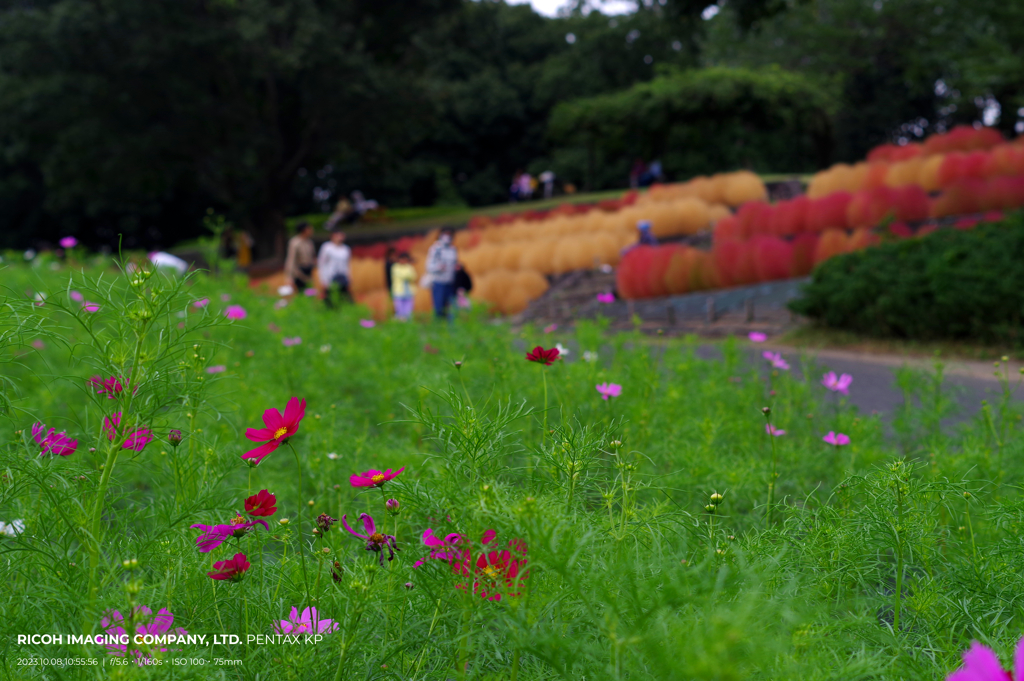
<point x="262" y="451"/>
<point x="294" y="411"/>
<point x="273" y="419"/>
<point x="371" y="527"/>
<point x="344" y="522"/>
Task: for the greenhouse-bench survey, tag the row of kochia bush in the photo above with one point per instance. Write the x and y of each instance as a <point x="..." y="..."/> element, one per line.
<point x="939" y="162"/>
<point x="510" y="257"/>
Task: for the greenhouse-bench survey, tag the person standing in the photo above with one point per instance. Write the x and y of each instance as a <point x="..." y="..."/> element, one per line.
<point x="463" y="284"/>
<point x="389" y="261"/>
<point x="300" y="258"/>
<point x="441" y="261"/>
<point x="403" y="287"/>
<point x="332" y="266"/>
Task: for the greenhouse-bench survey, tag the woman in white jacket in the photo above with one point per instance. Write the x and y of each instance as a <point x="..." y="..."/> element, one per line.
<point x="332" y="266"/>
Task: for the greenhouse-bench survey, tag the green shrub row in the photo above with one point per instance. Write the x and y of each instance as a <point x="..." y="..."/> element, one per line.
<point x="950" y="284"/>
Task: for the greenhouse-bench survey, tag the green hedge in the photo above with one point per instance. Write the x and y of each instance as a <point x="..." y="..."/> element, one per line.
<point x="948" y="285"/>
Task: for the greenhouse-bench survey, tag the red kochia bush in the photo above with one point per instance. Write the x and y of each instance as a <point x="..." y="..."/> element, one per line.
<point x="961" y="166"/>
<point x="788" y="218"/>
<point x="802" y="255"/>
<point x="828" y="211"/>
<point x="677" y="274"/>
<point x="892" y="153"/>
<point x="728" y="229"/>
<point x="772" y="258"/>
<point x="963" y="138"/>
<point x="655" y="275"/>
<point x="753" y="217"/>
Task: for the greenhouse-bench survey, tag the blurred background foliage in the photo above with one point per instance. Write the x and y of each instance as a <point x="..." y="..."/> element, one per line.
<point x="133" y="118"/>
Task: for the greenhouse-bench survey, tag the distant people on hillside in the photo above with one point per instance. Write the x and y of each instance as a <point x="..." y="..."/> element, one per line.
<point x="547" y="178"/>
<point x="652" y="174"/>
<point x="361" y="204"/>
<point x="332" y="266"/>
<point x="343" y="213"/>
<point x="513" y="190"/>
<point x="647" y="238"/>
<point x="526" y="186"/>
<point x="300" y="258"/>
<point x="442" y="259"/>
<point x="402" y="286"/>
<point x="635" y="172"/>
<point x="463" y="285"/>
<point x="390" y="258"/>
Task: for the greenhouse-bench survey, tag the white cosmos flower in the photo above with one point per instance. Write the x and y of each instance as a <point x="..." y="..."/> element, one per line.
<point x="562" y="352"/>
<point x="589" y="356"/>
<point x="332" y="456"/>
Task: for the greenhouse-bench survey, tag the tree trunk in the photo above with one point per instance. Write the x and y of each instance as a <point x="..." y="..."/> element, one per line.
<point x="268" y="233"/>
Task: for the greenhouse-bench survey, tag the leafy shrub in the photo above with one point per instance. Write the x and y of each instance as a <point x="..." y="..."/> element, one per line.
<point x="950" y="285"/>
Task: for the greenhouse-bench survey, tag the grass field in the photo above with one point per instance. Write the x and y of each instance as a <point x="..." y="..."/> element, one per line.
<point x="659" y="534"/>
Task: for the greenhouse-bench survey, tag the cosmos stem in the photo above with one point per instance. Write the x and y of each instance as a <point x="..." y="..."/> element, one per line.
<point x="302" y="554"/>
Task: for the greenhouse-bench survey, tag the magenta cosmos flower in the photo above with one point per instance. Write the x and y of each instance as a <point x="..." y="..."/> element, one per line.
<point x="542" y="356"/>
<point x="90" y="306"/>
<point x="773" y="431"/>
<point x="235" y="312"/>
<point x="289" y="342"/>
<point x="278" y="429"/>
<point x="375" y="541"/>
<point x="111" y="386"/>
<point x="606" y="297"/>
<point x="213" y="536"/>
<point x="201" y="303"/>
<point x="76" y="296"/>
<point x="493" y="572"/>
<point x="263" y="503"/>
<point x="836" y="439"/>
<point x="840" y="384"/>
<point x="374" y="478"/>
<point x="367" y="323"/>
<point x="776" y="360"/>
<point x="757" y="337"/>
<point x="143" y="623"/>
<point x="136" y="440"/>
<point x="216" y="369"/>
<point x="982" y="664"/>
<point x="232" y="569"/>
<point x="68" y="242"/>
<point x="53" y="442"/>
<point x="609" y="390"/>
<point x="550" y="328"/>
<point x="307" y="623"/>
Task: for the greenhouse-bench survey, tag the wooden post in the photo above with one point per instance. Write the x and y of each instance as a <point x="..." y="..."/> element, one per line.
<point x="711" y="310"/>
<point x="748" y="305"/>
<point x="671" y="312"/>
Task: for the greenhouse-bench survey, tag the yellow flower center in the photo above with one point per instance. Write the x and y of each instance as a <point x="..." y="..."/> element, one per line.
<point x="378" y="478"/>
<point x="491" y="572"/>
<point x="377" y="538"/>
<point x="238" y="520"/>
<point x="280" y="432"/>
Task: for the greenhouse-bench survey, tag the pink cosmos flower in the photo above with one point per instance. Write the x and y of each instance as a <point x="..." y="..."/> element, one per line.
<point x="609" y="390"/>
<point x="201" y="303"/>
<point x="311" y="292"/>
<point x="374" y="478"/>
<point x="981" y="664"/>
<point x="235" y="312"/>
<point x="76" y="296"/>
<point x="757" y="337"/>
<point x="375" y="541"/>
<point x="213" y="536"/>
<point x="308" y="623"/>
<point x="144" y="624"/>
<point x="232" y="569"/>
<point x="289" y="342"/>
<point x="225" y="297"/>
<point x="90" y="306"/>
<point x="367" y="323"/>
<point x="38" y="344"/>
<point x="111" y="386"/>
<point x="440" y="549"/>
<point x="606" y="297"/>
<point x="136" y="440"/>
<point x="550" y="328"/>
<point x="836" y="439"/>
<point x="281" y="304"/>
<point x="840" y="384"/>
<point x="278" y="429"/>
<point x="773" y="431"/>
<point x="216" y="369"/>
<point x="776" y="360"/>
<point x="53" y="442"/>
<point x="68" y="242"/>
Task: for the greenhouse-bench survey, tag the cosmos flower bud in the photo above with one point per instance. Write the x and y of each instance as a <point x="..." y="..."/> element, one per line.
<point x="392" y="505"/>
<point x="174" y="437"/>
<point x="324" y="522"/>
<point x="766" y="411"/>
<point x="717" y="498"/>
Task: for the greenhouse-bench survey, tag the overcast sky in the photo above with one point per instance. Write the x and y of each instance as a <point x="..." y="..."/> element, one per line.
<point x="549" y="8"/>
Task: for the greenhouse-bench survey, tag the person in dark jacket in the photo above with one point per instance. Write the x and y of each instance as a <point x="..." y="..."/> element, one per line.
<point x="390" y="258"/>
<point x="463" y="285"/>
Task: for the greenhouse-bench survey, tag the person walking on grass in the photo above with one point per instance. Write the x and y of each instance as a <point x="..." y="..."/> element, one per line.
<point x="403" y="287"/>
<point x="332" y="267"/>
<point x="301" y="257"/>
<point x="441" y="261"/>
